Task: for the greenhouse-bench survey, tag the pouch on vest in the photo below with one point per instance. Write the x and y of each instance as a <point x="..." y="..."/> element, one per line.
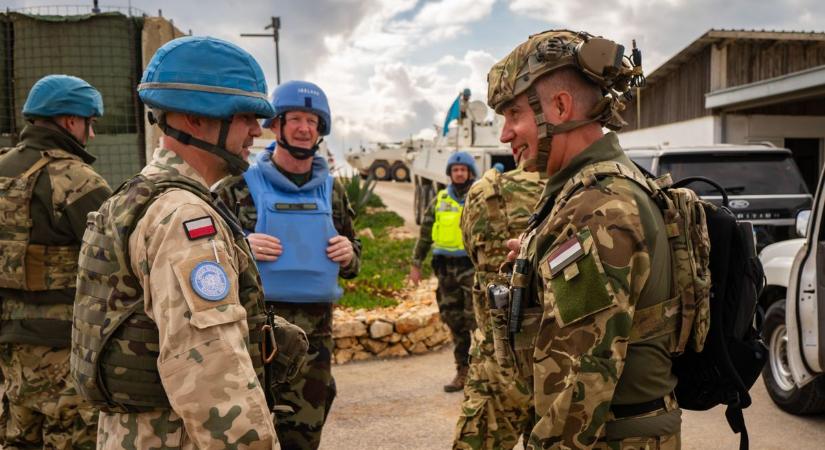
<point x="303" y="223"/>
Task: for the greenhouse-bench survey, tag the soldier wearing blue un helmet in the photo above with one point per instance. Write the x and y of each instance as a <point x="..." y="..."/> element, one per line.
<point x="48" y="187"/>
<point x="184" y="342"/>
<point x="300" y="225"/>
<point x="441" y="230"/>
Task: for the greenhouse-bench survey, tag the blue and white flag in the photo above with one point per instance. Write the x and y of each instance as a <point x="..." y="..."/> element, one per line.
<point x="451" y="115"/>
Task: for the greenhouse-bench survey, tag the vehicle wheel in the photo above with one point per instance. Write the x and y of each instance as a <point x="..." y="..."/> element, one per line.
<point x="380" y="170"/>
<point x="400" y="172"/>
<point x="809" y="399"/>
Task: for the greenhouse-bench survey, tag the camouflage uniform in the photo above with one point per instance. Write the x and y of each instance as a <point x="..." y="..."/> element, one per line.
<point x="455" y="287"/>
<point x="310" y="394"/>
<point x="41" y="405"/>
<point x="599" y="255"/>
<point x="497" y="406"/>
<point x="204" y="363"/>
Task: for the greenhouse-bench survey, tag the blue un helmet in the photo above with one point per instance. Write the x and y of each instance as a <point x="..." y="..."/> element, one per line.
<point x="207" y="77"/>
<point x="462" y="158"/>
<point x="62" y="95"/>
<point x="301" y="96"/>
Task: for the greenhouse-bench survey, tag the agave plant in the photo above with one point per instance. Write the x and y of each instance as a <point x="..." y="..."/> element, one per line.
<point x="359" y="192"/>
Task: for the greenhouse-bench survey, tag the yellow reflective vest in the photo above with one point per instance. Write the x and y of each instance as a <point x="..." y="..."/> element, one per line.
<point x="447" y="227"/>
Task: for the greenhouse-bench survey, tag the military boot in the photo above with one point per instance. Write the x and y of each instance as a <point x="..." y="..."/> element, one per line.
<point x="458" y="382"/>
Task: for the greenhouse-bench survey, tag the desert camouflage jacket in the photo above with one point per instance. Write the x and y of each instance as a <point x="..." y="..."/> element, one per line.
<point x="66" y="190"/>
<point x="496" y="209"/>
<point x="204" y="365"/>
<point x="599" y="254"/>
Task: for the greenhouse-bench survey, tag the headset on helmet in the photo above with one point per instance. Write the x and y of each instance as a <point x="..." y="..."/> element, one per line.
<point x="301" y="96"/>
<point x="207" y="77"/>
<point x="599" y="60"/>
<point x="462" y="158"/>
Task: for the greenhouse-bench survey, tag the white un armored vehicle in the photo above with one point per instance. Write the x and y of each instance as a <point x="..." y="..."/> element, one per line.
<point x="475" y="134"/>
<point x="386" y="160"/>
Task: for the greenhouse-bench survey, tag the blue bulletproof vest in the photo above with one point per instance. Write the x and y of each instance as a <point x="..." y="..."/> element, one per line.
<point x="301" y="217"/>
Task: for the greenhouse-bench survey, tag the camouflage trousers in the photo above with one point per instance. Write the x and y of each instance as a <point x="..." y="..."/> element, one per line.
<point x="41" y="407"/>
<point x="455" y="301"/>
<point x="670" y="442"/>
<point x="497" y="407"/>
<point x="311" y="392"/>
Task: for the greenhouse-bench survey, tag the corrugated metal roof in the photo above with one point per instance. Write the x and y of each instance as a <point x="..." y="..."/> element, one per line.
<point x="714" y="36"/>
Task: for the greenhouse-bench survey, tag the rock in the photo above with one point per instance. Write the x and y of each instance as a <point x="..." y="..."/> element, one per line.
<point x="419" y="348"/>
<point x="422" y="333"/>
<point x="373" y="346"/>
<point x="362" y="356"/>
<point x="379" y="329"/>
<point x="344" y="355"/>
<point x="438" y="338"/>
<point x="399" y="233"/>
<point x="366" y="232"/>
<point x="408" y="322"/>
<point x="346" y="342"/>
<point x="393" y="351"/>
<point x="352" y="328"/>
<point x="394" y="338"/>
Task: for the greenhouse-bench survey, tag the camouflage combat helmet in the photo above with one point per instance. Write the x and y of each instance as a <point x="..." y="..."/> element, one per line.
<point x="599" y="60"/>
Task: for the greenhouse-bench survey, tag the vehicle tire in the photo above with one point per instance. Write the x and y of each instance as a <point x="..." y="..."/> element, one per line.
<point x="400" y="172"/>
<point x="809" y="399"/>
<point x="380" y="170"/>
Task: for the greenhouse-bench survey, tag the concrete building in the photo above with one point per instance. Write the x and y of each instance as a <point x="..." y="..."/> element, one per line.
<point x="737" y="86"/>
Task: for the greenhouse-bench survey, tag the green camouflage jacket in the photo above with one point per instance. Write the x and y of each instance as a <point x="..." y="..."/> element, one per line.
<point x="235" y="193"/>
<point x="64" y="193"/>
<point x="496" y="209"/>
<point x="601" y="253"/>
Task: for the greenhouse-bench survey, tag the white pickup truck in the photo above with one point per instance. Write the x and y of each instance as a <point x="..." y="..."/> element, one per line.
<point x="794" y="328"/>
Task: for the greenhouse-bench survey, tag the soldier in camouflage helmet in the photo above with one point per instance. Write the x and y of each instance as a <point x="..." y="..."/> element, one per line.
<point x="595" y="256"/>
<point x="170" y="338"/>
<point x="497" y="407"/>
<point x="47" y="186"/>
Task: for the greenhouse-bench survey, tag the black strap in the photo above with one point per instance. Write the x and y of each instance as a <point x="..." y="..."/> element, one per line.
<point x="737" y="423"/>
<point x="636" y="409"/>
<point x="268" y="388"/>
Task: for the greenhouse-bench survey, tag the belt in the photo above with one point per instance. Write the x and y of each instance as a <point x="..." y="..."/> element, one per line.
<point x="636" y="409"/>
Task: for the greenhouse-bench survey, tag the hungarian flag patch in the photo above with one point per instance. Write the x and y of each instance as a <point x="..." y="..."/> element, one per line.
<point x="199" y="228"/>
<point x="566" y="253"/>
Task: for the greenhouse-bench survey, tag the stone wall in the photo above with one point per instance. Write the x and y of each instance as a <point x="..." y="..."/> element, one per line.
<point x="411" y="327"/>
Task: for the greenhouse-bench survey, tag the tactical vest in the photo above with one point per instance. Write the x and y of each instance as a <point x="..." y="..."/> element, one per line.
<point x="446" y="232"/>
<point x="114" y="343"/>
<point x="23" y="265"/>
<point x="302" y="220"/>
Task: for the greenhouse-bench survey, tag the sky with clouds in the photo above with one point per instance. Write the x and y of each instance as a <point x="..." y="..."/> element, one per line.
<point x="391" y="68"/>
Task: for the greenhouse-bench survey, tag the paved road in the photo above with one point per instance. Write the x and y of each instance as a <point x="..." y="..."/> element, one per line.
<point x="399" y="404"/>
<point x="399" y="197"/>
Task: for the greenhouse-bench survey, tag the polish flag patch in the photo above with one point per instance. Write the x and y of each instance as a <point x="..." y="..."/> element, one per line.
<point x="568" y="252"/>
<point x="200" y="228"/>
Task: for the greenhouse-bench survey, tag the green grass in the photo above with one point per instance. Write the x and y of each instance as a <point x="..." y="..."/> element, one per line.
<point x="385" y="264"/>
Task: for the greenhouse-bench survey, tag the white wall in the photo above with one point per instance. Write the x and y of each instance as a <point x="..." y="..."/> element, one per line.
<point x="701" y="131"/>
<point x="755" y="128"/>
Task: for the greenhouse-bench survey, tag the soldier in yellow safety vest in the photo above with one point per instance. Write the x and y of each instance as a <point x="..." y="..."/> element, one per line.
<point x="441" y="230"/>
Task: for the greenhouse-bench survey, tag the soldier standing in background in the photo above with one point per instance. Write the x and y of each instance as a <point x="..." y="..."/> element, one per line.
<point x="440" y="229"/>
<point x="301" y="229"/>
<point x="596" y="257"/>
<point x="497" y="406"/>
<point x="47" y="187"/>
<point x="176" y="358"/>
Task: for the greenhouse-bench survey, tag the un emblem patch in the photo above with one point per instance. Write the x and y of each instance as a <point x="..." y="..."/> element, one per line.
<point x="209" y="280"/>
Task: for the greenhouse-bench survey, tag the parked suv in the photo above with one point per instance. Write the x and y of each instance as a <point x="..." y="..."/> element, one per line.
<point x="794" y="329"/>
<point x="762" y="181"/>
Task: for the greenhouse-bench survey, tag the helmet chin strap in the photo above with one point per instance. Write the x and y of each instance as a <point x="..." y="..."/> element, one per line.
<point x="235" y="163"/>
<point x="546" y="131"/>
<point x="299" y="153"/>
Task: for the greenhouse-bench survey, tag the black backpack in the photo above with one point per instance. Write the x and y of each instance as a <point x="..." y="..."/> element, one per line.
<point x="734" y="354"/>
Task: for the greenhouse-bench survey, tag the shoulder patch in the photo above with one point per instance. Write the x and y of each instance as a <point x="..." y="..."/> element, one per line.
<point x="200" y="228"/>
<point x="209" y="281"/>
<point x="568" y="252"/>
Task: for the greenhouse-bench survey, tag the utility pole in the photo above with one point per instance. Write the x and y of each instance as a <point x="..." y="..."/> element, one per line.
<point x="275" y="26"/>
